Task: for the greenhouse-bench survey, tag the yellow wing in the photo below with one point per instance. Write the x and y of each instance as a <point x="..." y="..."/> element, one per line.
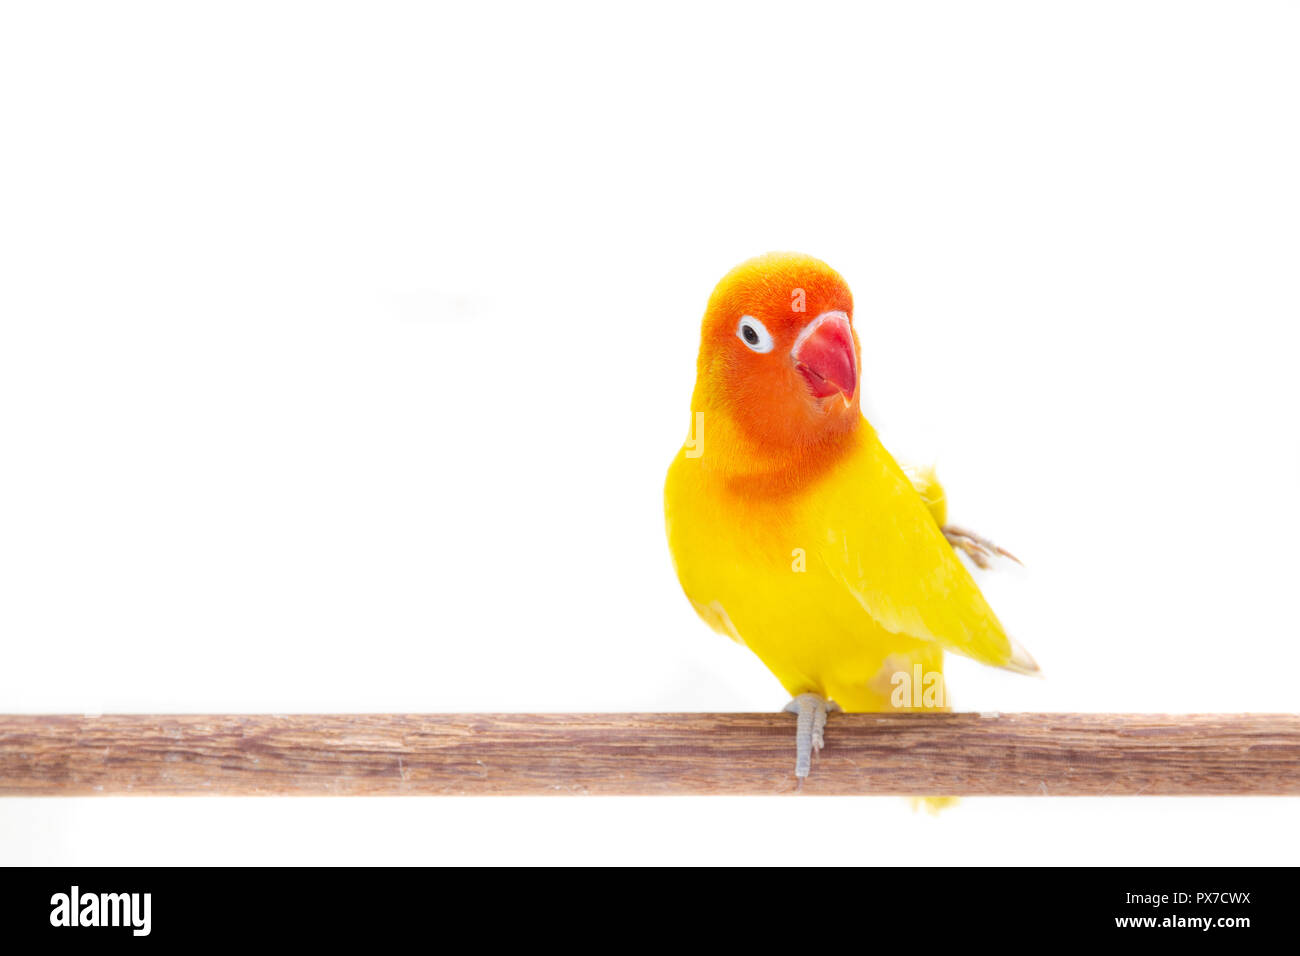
<point x="926" y="482"/>
<point x="885" y="545"/>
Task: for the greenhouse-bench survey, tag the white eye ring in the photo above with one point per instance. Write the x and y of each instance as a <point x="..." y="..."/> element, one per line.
<point x="754" y="334"/>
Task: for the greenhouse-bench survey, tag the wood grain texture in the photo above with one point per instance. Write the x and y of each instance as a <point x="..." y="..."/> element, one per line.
<point x="487" y="754"/>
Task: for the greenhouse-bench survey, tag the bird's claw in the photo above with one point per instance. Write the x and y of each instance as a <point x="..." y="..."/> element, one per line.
<point x="810" y="732"/>
<point x="980" y="549"/>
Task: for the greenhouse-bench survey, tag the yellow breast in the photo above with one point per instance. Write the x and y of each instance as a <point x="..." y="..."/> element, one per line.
<point x="767" y="569"/>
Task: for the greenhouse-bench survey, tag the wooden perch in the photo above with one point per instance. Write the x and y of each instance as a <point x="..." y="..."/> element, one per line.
<point x="482" y="754"/>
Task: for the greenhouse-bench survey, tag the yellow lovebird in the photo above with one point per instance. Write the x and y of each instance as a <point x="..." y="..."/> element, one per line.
<point x="793" y="530"/>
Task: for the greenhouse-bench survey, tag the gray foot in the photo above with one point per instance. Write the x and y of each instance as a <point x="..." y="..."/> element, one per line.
<point x="981" y="550"/>
<point x="810" y="730"/>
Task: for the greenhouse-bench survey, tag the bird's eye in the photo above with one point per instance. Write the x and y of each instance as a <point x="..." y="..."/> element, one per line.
<point x="754" y="334"/>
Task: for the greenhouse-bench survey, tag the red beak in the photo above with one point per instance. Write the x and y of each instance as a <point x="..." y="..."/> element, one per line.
<point x="824" y="355"/>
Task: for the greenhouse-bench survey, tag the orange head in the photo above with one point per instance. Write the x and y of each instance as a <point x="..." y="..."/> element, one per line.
<point x="779" y="360"/>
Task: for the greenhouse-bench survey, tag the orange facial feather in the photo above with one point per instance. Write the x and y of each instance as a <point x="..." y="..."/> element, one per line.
<point x="768" y="413"/>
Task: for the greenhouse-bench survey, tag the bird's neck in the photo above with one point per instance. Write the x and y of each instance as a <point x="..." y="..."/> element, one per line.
<point x="728" y="454"/>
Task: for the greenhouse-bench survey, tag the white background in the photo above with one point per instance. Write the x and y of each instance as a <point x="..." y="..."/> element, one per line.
<point x="344" y="347"/>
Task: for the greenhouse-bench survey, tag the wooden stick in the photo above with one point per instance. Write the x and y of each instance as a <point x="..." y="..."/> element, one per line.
<point x="482" y="754"/>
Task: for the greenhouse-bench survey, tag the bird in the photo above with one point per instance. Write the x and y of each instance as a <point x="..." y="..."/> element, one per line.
<point x="792" y="529"/>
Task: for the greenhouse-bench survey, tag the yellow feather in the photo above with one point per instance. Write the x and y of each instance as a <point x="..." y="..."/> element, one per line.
<point x="838" y="586"/>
